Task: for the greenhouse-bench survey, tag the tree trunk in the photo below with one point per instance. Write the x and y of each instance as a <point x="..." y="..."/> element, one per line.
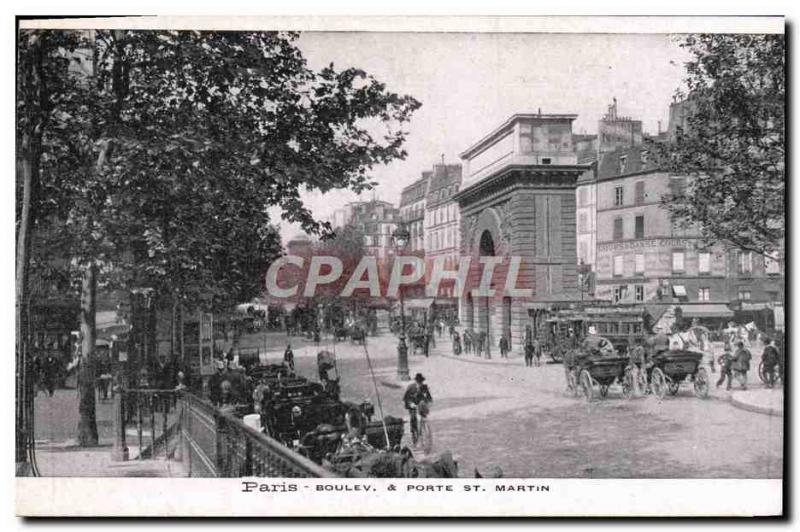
<point x="30" y="168"/>
<point x="87" y="424"/>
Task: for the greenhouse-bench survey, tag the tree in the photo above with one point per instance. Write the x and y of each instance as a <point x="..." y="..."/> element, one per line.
<point x="179" y="144"/>
<point x="732" y="145"/>
<point x="42" y="86"/>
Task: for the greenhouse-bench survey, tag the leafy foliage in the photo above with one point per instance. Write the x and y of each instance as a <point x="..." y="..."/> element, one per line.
<point x="732" y="145"/>
<point x="171" y="149"/>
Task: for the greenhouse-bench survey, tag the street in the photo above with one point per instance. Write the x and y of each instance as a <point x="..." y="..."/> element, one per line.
<point x="521" y="420"/>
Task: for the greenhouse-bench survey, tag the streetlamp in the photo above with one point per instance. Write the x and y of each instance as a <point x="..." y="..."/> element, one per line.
<point x="400" y="238"/>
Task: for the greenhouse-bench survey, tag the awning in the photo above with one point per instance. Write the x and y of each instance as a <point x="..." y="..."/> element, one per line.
<point x="710" y="310"/>
<point x="757" y="306"/>
<point x="420" y="302"/>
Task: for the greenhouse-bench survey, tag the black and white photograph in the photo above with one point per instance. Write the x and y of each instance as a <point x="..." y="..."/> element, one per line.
<point x="475" y="261"/>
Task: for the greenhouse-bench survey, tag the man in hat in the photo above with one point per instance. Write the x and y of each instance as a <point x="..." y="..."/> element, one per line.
<point x="416" y="401"/>
<point x="771" y="359"/>
<point x="594" y="343"/>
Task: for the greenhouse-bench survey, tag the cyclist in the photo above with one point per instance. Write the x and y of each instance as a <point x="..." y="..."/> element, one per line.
<point x="415" y="400"/>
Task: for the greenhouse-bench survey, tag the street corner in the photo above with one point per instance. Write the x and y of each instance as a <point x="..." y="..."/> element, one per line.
<point x="765" y="401"/>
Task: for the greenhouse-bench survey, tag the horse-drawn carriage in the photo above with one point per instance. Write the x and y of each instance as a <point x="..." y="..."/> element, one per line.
<point x="566" y="329"/>
<point x="671" y="368"/>
<point x="587" y="369"/>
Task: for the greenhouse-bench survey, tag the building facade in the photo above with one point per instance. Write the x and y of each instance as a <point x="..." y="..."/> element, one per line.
<point x="442" y="221"/>
<point x="412" y="211"/>
<point x="518" y="200"/>
<point x="643" y="254"/>
<point x="377" y="220"/>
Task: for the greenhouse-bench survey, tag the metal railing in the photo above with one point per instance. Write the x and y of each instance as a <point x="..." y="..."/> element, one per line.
<point x="153" y="415"/>
<point x="217" y="444"/>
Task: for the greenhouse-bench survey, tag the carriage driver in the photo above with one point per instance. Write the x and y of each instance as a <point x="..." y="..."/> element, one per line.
<point x="594" y="343"/>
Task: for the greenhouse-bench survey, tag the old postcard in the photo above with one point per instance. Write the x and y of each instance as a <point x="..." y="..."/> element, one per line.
<point x="399" y="266"/>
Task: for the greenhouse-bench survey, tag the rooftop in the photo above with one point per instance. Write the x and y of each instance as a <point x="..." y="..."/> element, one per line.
<point x="497" y="132"/>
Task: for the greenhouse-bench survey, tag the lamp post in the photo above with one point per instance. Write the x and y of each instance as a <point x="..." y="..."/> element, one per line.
<point x="400" y="238"/>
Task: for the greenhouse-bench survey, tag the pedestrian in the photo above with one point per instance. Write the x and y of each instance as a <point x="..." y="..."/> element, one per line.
<point x="528" y="354"/>
<point x="467" y="342"/>
<point x="503" y="346"/>
<point x="456" y="343"/>
<point x="483" y="344"/>
<point x="725" y="363"/>
<point x="51" y="367"/>
<point x="770" y="358"/>
<point x="741" y="363"/>
<point x="288" y="357"/>
<point x="537" y="351"/>
<point x="215" y="383"/>
<point x="636" y="356"/>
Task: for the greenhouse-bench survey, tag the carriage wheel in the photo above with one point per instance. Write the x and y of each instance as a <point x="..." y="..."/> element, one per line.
<point x="572" y="381"/>
<point x="701" y="384"/>
<point x="603" y="390"/>
<point x="586" y="386"/>
<point x="641" y="377"/>
<point x="658" y="382"/>
<point x="673" y="387"/>
<point x="627" y="384"/>
<point x="425" y="437"/>
<point x="761" y="374"/>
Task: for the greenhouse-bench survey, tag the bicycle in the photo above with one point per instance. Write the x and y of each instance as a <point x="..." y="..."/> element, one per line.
<point x="421" y="431"/>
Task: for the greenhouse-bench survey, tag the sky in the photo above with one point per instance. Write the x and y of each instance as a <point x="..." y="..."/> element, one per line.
<point x="469" y="83"/>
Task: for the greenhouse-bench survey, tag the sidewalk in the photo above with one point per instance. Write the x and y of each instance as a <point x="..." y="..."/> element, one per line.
<point x="765" y="401"/>
<point x="59" y="455"/>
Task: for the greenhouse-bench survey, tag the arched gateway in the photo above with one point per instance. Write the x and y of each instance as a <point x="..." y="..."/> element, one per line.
<point x="518" y="200"/>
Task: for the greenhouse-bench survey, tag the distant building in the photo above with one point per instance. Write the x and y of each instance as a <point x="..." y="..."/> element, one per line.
<point x="615" y="132"/>
<point x="643" y="254"/>
<point x="586" y="215"/>
<point x="442" y="223"/>
<point x="412" y="211"/>
<point x="341" y="216"/>
<point x="377" y="220"/>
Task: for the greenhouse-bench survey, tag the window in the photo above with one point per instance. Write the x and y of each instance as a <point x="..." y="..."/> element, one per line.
<point x="744" y="295"/>
<point x="638" y="293"/>
<point x="638" y="231"/>
<point x="617" y="265"/>
<point x="745" y="262"/>
<point x="618" y="196"/>
<point x="704" y="294"/>
<point x="619" y="293"/>
<point x="639" y="264"/>
<point x="582" y="222"/>
<point x="622" y="161"/>
<point x="546" y="160"/>
<point x="704" y="262"/>
<point x="679" y="291"/>
<point x="639" y="193"/>
<point x="618" y="229"/>
<point x="678" y="261"/>
<point x="771" y="264"/>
